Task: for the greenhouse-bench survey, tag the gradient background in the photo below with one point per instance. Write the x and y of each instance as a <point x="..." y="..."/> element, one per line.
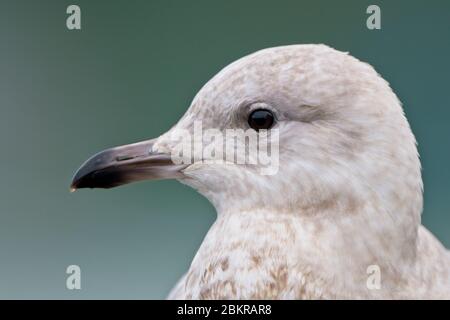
<point x="128" y="75"/>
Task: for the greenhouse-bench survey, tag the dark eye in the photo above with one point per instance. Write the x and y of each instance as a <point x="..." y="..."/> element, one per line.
<point x="261" y="119"/>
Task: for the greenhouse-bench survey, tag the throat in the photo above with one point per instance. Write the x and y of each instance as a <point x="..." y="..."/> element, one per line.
<point x="265" y="255"/>
<point x="241" y="253"/>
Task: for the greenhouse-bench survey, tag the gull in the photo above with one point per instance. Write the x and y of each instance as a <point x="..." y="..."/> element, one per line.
<point x="340" y="218"/>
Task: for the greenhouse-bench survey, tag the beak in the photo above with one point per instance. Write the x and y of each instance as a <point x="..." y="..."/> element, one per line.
<point x="125" y="164"/>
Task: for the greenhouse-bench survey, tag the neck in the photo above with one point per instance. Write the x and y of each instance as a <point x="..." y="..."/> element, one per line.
<point x="262" y="254"/>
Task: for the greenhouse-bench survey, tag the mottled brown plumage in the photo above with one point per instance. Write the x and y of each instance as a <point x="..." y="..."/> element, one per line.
<point x="338" y="218"/>
<point x="348" y="193"/>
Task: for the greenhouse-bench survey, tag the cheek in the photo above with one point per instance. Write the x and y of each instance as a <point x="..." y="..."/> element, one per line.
<point x="309" y="143"/>
<point x="225" y="186"/>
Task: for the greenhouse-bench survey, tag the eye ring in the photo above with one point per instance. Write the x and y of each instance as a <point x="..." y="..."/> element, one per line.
<point x="261" y="119"/>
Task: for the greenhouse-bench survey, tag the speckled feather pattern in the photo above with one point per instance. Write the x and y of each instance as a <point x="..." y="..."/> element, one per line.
<point x="348" y="192"/>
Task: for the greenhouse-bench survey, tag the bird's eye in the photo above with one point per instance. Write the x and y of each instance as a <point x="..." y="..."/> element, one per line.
<point x="261" y="119"/>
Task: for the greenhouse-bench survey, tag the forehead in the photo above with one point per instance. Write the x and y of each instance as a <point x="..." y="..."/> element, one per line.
<point x="250" y="73"/>
<point x="278" y="74"/>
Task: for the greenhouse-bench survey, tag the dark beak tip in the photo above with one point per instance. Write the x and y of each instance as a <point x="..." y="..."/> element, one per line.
<point x="74" y="185"/>
<point x="80" y="179"/>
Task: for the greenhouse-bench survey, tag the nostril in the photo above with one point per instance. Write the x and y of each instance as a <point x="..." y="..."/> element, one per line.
<point x="124" y="157"/>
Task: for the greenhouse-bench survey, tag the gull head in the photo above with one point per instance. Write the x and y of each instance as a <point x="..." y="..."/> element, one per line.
<point x="336" y="137"/>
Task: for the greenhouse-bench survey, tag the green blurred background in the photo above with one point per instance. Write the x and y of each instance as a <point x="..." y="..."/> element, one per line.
<point x="128" y="75"/>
